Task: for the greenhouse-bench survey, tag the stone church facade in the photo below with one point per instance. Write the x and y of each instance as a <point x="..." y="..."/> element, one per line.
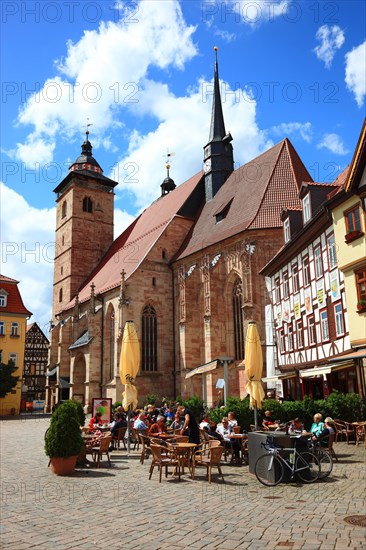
<point x="185" y="271"/>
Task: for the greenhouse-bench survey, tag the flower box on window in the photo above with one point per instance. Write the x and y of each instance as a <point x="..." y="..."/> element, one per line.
<point x="353" y="235"/>
<point x="361" y="306"/>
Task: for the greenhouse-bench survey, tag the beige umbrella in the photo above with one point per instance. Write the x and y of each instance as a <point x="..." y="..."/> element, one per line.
<point x="253" y="368"/>
<point x="129" y="366"/>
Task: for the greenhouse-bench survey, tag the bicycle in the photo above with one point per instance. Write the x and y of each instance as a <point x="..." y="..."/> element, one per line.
<point x="270" y="467"/>
<point x="324" y="458"/>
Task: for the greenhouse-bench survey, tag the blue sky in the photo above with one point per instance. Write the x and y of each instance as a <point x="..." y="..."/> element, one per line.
<point x="141" y="72"/>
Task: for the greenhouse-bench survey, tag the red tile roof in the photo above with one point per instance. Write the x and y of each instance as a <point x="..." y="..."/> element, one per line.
<point x="131" y="247"/>
<point x="14" y="302"/>
<point x="258" y="190"/>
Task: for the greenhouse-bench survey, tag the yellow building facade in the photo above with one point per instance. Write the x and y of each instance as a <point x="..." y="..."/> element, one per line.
<point x="13" y="324"/>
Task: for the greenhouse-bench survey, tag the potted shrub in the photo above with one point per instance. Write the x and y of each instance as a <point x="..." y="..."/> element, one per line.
<point x="361" y="305"/>
<point x="63" y="441"/>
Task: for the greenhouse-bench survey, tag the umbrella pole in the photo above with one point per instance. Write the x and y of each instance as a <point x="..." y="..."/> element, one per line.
<point x="256" y="417"/>
<point x="128" y="430"/>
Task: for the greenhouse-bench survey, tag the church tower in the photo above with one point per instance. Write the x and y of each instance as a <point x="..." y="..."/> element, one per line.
<point x="218" y="153"/>
<point x="84" y="225"/>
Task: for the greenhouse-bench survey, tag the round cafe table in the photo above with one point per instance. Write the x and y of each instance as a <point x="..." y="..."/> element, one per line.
<point x="184" y="453"/>
<point x="243" y="438"/>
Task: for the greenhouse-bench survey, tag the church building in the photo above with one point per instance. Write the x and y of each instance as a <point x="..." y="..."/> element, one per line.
<point x="186" y="271"/>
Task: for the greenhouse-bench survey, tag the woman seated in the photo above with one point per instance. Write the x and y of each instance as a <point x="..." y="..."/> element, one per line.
<point x="95" y="421"/>
<point x="232" y="420"/>
<point x="323" y="437"/>
<point x="205" y="421"/>
<point x="317" y="426"/>
<point x="158" y="427"/>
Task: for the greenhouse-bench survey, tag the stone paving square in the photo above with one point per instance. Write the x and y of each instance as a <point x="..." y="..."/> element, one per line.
<point x="119" y="508"/>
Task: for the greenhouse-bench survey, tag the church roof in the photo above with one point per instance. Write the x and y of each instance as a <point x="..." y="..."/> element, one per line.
<point x="252" y="197"/>
<point x="131" y="247"/>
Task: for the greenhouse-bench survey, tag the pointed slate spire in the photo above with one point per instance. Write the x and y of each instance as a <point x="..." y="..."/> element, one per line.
<point x="218" y="153"/>
<point x="86" y="161"/>
<point x="217" y="129"/>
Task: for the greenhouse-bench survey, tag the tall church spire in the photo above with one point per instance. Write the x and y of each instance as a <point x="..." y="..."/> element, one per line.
<point x="218" y="153"/>
<point x="217" y="129"/>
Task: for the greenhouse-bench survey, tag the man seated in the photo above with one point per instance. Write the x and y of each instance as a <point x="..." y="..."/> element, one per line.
<point x="268" y="420"/>
<point x="225" y="430"/>
<point x="296" y="427"/>
<point x="140" y="425"/>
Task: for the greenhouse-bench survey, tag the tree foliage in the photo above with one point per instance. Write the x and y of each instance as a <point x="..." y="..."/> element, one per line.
<point x="63" y="437"/>
<point x="7" y="380"/>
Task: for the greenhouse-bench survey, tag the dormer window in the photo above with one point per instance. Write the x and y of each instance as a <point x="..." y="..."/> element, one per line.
<point x="286" y="230"/>
<point x="306" y="208"/>
<point x="3" y="298"/>
<point x="222" y="212"/>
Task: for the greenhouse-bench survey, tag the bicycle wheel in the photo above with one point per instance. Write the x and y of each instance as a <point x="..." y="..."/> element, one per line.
<point x="269" y="470"/>
<point x="325" y="462"/>
<point x="307" y="467"/>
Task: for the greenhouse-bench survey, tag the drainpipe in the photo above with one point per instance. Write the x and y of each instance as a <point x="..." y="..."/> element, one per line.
<point x="174" y="363"/>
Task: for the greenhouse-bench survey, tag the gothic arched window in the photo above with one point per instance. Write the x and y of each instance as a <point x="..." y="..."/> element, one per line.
<point x="111" y="346"/>
<point x="87" y="204"/>
<point x="149" y="360"/>
<point x="238" y="320"/>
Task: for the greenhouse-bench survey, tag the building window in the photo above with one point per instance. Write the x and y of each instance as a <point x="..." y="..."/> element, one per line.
<point x="339" y="320"/>
<point x="60" y="295"/>
<point x="164" y="254"/>
<point x="2" y="328"/>
<point x="286" y="230"/>
<point x="318" y="262"/>
<point x="285" y="285"/>
<point x="361" y="284"/>
<point x="295" y="278"/>
<point x="14" y="358"/>
<point x="353" y="220"/>
<point x="238" y="320"/>
<point x="3" y="300"/>
<point x="282" y="341"/>
<point x="306" y="271"/>
<point x="14" y="329"/>
<point x="277" y="291"/>
<point x="149" y="334"/>
<point x="306" y="208"/>
<point x="324" y="325"/>
<point x="311" y="331"/>
<point x="64" y="209"/>
<point x="300" y="334"/>
<point x="87" y="204"/>
<point x="290" y="338"/>
<point x="332" y="254"/>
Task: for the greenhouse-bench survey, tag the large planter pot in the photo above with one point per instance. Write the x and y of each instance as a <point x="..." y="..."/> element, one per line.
<point x="63" y="466"/>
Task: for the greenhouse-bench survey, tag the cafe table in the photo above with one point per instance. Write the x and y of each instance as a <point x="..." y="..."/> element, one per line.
<point x="242" y="440"/>
<point x="184" y="453"/>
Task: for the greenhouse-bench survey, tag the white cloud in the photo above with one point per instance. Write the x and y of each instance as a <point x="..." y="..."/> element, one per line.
<point x="356" y="72"/>
<point x="333" y="142"/>
<point x="100" y="74"/>
<point x="249" y="12"/>
<point x="34" y="153"/>
<point x="121" y="221"/>
<point x="27" y="251"/>
<point x="304" y="129"/>
<point x="225" y="35"/>
<point x="184" y="129"/>
<point x="331" y="39"/>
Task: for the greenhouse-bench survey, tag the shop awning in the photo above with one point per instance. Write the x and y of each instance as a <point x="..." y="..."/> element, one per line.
<point x="351" y="356"/>
<point x="64" y="383"/>
<point x="202" y="369"/>
<point x="51" y="372"/>
<point x="327" y="369"/>
<point x="283" y="376"/>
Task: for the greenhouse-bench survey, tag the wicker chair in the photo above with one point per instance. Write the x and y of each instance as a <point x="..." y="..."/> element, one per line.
<point x="145" y="450"/>
<point x="345" y="429"/>
<point x="97" y="452"/>
<point x="212" y="460"/>
<point x="161" y="459"/>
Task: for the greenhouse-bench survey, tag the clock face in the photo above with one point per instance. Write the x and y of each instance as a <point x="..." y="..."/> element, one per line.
<point x="207" y="165"/>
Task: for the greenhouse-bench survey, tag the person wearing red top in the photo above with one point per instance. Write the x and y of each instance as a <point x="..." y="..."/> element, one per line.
<point x="95" y="421"/>
<point x="158" y="427"/>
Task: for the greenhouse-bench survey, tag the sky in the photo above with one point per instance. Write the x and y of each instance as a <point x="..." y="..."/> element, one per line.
<point x="140" y="73"/>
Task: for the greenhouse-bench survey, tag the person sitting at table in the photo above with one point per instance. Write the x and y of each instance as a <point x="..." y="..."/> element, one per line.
<point x="296" y="427"/>
<point x="140" y="424"/>
<point x="158" y="427"/>
<point x="225" y="430"/>
<point x="328" y="430"/>
<point x="177" y="423"/>
<point x="205" y="421"/>
<point x="169" y="414"/>
<point x="120" y="422"/>
<point x="268" y="420"/>
<point x="211" y="431"/>
<point x="317" y="426"/>
<point x="190" y="425"/>
<point x="232" y="420"/>
<point x="95" y="421"/>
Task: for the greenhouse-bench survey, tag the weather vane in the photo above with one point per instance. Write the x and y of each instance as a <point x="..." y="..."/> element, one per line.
<point x="87" y="126"/>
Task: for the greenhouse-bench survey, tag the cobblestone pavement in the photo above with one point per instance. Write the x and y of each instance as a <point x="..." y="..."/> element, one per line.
<point x="119" y="508"/>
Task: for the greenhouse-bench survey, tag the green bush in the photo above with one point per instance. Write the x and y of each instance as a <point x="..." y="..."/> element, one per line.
<point x="151" y="399"/>
<point x="115" y="405"/>
<point x="63" y="437"/>
<point x="194" y="404"/>
<point x="79" y="411"/>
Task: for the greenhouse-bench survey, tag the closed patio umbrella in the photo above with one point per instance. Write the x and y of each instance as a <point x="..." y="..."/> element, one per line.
<point x="253" y="368"/>
<point x="129" y="366"/>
